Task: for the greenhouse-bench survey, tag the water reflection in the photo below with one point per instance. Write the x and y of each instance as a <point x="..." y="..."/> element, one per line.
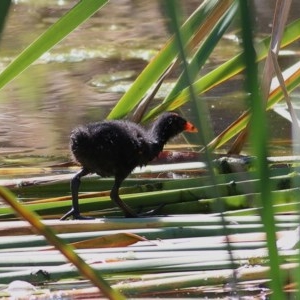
<point x="85" y="75"/>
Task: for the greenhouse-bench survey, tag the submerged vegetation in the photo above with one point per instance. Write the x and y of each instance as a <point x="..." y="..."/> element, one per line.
<point x="228" y="229"/>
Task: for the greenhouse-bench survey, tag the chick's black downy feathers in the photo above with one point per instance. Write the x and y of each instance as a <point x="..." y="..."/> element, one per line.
<point x="115" y="148"/>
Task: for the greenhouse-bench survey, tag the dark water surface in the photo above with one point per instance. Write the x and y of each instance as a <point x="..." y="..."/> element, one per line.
<point x="82" y="78"/>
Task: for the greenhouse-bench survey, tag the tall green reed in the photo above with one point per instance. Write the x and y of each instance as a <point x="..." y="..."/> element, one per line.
<point x="258" y="137"/>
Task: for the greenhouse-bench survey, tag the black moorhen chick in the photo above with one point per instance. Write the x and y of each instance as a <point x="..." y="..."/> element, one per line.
<point x="115" y="148"/>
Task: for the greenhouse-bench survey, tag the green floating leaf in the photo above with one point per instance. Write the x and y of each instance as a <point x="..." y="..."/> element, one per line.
<point x="58" y="31"/>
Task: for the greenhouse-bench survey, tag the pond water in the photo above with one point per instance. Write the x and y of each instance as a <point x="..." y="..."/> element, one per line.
<point x="83" y="77"/>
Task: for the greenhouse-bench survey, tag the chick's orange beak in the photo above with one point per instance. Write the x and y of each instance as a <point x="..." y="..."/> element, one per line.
<point x="189" y="127"/>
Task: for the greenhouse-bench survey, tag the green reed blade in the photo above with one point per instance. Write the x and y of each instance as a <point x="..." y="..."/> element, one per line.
<point x="58" y="31"/>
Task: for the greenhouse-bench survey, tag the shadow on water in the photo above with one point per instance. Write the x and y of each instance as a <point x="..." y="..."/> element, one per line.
<point x="83" y="77"/>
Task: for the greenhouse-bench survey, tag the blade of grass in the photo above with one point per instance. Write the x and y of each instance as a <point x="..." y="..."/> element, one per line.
<point x="65" y="249"/>
<point x="281" y="15"/>
<point x="231" y="203"/>
<point x="17" y="228"/>
<point x="165" y="57"/>
<point x="171" y="192"/>
<point x="65" y="25"/>
<point x="188" y="74"/>
<point x="271" y="66"/>
<point x="225" y="71"/>
<point x="292" y="81"/>
<point x="171" y="232"/>
<point x="258" y="138"/>
<point x="203" y="279"/>
<point x="36" y="190"/>
<point x="205" y="50"/>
